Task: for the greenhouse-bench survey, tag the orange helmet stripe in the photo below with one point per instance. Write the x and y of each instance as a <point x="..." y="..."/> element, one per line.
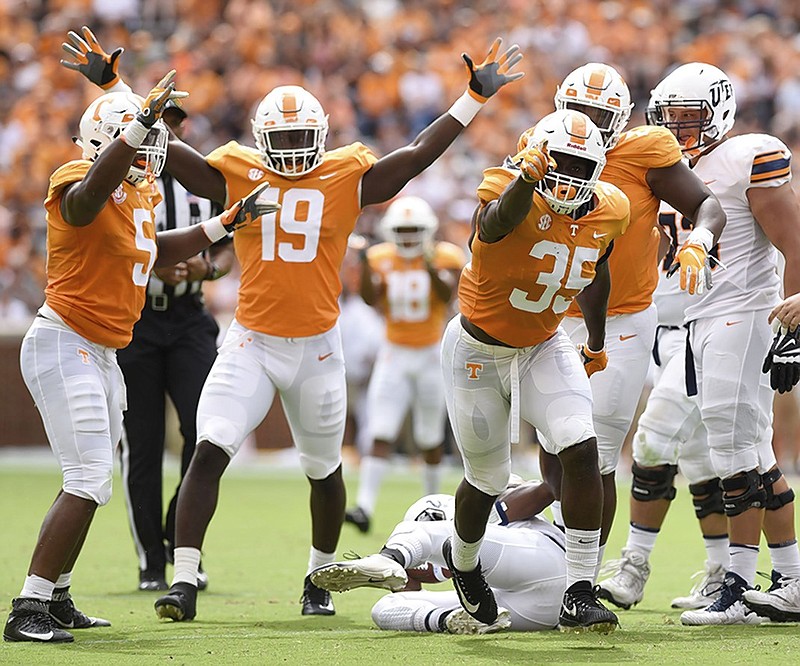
<point x="577" y="128"/>
<point x="596" y="79"/>
<point x="289" y="107"/>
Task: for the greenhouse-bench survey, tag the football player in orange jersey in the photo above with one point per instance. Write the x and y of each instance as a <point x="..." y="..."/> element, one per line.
<point x="645" y="163"/>
<point x="101" y="246"/>
<point x="285" y="339"/>
<point x="543" y="234"/>
<point x="411" y="279"/>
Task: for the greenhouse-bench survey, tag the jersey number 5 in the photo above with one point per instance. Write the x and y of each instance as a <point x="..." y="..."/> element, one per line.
<point x="300" y="216"/>
<point x="141" y="272"/>
<point x="554" y="280"/>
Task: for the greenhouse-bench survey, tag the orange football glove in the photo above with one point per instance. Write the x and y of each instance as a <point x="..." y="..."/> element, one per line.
<point x="695" y="271"/>
<point x="593" y="361"/>
<point x="156" y="101"/>
<point x="91" y="60"/>
<point x="248" y="209"/>
<point x="534" y="163"/>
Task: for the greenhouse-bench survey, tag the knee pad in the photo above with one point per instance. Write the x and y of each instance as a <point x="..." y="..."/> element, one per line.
<point x="775" y="502"/>
<point x="707" y="498"/>
<point x="653" y="483"/>
<point x="753" y="497"/>
<point x="93" y="487"/>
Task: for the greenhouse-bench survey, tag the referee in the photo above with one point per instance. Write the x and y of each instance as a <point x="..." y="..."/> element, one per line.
<point x="173" y="348"/>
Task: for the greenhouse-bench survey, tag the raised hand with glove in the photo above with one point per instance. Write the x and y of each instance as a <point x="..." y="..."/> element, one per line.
<point x="240" y="214"/>
<point x="593" y="361"/>
<point x="91" y="60"/>
<point x="692" y="260"/>
<point x="153" y="106"/>
<point x="534" y="162"/>
<point x="783" y="358"/>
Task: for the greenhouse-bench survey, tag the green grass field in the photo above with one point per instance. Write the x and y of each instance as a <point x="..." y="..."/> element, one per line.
<point x="256" y="554"/>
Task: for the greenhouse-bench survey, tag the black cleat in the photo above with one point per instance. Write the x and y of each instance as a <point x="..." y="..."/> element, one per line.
<point x="30" y="621"/>
<point x="315" y="600"/>
<point x="581" y="610"/>
<point x="179" y="604"/>
<point x="473" y="591"/>
<point x="152" y="581"/>
<point x="202" y="578"/>
<point x="359" y="518"/>
<point x="63" y="611"/>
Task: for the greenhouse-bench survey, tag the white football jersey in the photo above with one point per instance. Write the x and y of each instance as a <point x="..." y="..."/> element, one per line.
<point x="750" y="280"/>
<point x="669" y="298"/>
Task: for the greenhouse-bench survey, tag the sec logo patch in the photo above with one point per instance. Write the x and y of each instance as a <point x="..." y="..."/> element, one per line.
<point x="119" y="195"/>
<point x="255" y="174"/>
<point x="545" y="222"/>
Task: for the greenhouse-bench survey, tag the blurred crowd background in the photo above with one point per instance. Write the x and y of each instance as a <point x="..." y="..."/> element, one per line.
<point x="383" y="69"/>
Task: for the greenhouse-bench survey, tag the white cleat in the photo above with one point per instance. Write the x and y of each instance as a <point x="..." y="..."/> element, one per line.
<point x="780" y="605"/>
<point x="461" y="622"/>
<point x="371" y="571"/>
<point x="706" y="591"/>
<point x="626" y="587"/>
<point x="729" y="608"/>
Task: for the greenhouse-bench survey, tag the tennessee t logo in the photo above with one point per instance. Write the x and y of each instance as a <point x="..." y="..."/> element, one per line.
<point x="84" y="356"/>
<point x="474" y="370"/>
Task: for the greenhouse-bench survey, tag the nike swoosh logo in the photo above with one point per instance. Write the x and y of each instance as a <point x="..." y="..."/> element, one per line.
<point x="732" y="323"/>
<point x="708" y="182"/>
<point x="470" y="608"/>
<point x="322" y="357"/>
<point x="622" y="338"/>
<point x="37" y="637"/>
<point x="585" y="540"/>
<point x="596" y="235"/>
<point x="328" y="175"/>
<point x="571" y="610"/>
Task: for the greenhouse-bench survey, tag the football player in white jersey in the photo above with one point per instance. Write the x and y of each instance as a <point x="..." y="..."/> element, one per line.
<point x="670" y="436"/>
<point x="728" y="329"/>
<point x="411" y="280"/>
<point x="524" y="563"/>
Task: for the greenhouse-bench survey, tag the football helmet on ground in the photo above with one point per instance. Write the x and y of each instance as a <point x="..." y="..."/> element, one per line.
<point x="106" y="118"/>
<point x="432" y="507"/>
<point x="599" y="91"/>
<point x="290" y="129"/>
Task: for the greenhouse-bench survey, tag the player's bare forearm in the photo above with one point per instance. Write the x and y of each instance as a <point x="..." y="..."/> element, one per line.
<point x="223" y="256"/>
<point x="179" y="244"/>
<point x="777" y="211"/>
<point x="593" y="302"/>
<point x="686" y="193"/>
<point x="526" y="500"/>
<point x="500" y="217"/>
<point x="84" y="200"/>
<point x="391" y="173"/>
<point x="192" y="171"/>
<point x="369" y="291"/>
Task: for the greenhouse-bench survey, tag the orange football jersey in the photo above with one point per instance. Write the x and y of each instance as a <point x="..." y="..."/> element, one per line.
<point x="97" y="274"/>
<point x="518" y="289"/>
<point x="634" y="262"/>
<point x="290" y="259"/>
<point x="414" y="315"/>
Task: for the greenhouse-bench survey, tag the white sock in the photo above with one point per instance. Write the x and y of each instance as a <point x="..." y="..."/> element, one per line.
<point x="465" y="554"/>
<point x="36" y="587"/>
<point x="642" y="539"/>
<point x="555" y="510"/>
<point x="403" y="613"/>
<point x="187" y="562"/>
<point x="64" y="580"/>
<point x="600" y="552"/>
<point x="583" y="548"/>
<point x="718" y="549"/>
<point x="431" y="478"/>
<point x="316" y="558"/>
<point x="370" y="478"/>
<point x="744" y="558"/>
<point x="785" y="558"/>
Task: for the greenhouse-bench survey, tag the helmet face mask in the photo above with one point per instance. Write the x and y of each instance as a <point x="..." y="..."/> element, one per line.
<point x="106" y="118"/>
<point x="289" y="129"/>
<point x="411" y="225"/>
<point x="696" y="102"/>
<point x="598" y="90"/>
<point x="577" y="142"/>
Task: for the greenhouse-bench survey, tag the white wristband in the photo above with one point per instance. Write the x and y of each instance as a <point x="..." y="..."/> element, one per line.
<point x="701" y="236"/>
<point x="214" y="229"/>
<point x="135" y="133"/>
<point x="119" y="86"/>
<point x="465" y="108"/>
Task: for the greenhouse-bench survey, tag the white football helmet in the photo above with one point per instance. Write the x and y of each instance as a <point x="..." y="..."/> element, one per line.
<point x="599" y="91"/>
<point x="290" y="129"/>
<point x="104" y="120"/>
<point x="701" y="87"/>
<point x="572" y="133"/>
<point x="410" y="224"/>
<point x="432" y="507"/>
